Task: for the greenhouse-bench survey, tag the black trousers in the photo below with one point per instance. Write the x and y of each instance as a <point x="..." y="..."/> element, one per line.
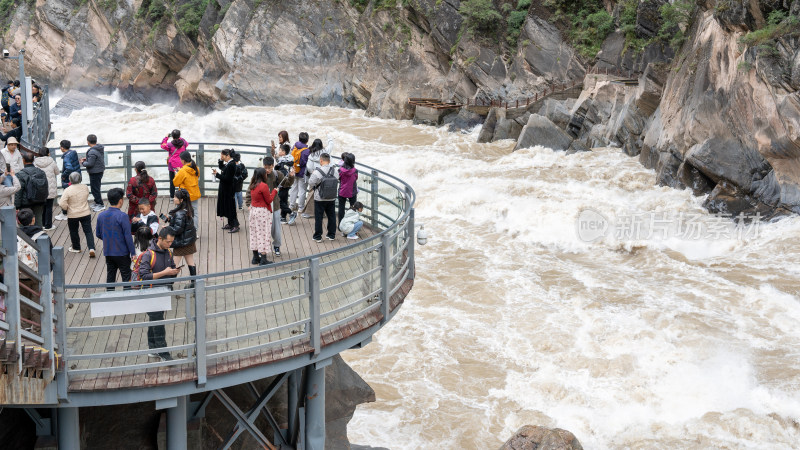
<point x="47" y="214"/>
<point x="327" y="208"/>
<point x="171" y="186"/>
<point x="95" y="179"/>
<point x="121" y="263"/>
<point x="283" y="196"/>
<point x="342" y="201"/>
<point x="233" y="217"/>
<point x="156" y="335"/>
<point x="86" y="223"/>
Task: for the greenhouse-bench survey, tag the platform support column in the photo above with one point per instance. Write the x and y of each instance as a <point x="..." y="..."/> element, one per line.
<point x="315" y="408"/>
<point x="294" y="380"/>
<point x="176" y="425"/>
<point x="69" y="436"/>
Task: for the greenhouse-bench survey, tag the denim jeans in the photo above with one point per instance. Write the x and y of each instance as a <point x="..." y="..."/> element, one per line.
<point x="239" y="199"/>
<point x="356" y="226"/>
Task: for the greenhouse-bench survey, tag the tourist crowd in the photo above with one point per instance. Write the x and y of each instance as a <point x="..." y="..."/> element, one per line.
<point x="140" y="245"/>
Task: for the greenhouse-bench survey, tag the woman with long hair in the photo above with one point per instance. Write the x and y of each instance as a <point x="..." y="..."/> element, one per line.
<point x="140" y="185"/>
<point x="181" y="220"/>
<point x="348" y="176"/>
<point x="283" y="138"/>
<point x="261" y="197"/>
<point x="174" y="148"/>
<point x="188" y="177"/>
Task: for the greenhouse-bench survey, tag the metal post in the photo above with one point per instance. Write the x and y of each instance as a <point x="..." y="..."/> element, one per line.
<point x="62" y="379"/>
<point x="410" y="248"/>
<point x="46" y="297"/>
<point x="25" y="111"/>
<point x="127" y="161"/>
<point x="11" y="278"/>
<point x="200" y="329"/>
<point x="292" y="403"/>
<point x="374" y="196"/>
<point x="313" y="306"/>
<point x="386" y="263"/>
<point x="176" y="425"/>
<point x="69" y="432"/>
<point x="201" y="166"/>
<point x="315" y="408"/>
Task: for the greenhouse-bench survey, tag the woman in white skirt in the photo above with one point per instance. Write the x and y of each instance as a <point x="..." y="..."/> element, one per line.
<point x="261" y="216"/>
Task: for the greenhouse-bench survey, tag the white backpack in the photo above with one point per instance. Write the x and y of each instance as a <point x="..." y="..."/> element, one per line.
<point x="26" y="253"/>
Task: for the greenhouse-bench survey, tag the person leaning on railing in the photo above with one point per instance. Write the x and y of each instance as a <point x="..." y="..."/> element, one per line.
<point x="188" y="177"/>
<point x="155" y="264"/>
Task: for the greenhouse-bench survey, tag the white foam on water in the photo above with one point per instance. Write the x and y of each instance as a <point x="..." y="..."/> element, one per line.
<point x="659" y="342"/>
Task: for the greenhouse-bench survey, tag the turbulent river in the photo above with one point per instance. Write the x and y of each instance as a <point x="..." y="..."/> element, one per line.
<point x="555" y="290"/>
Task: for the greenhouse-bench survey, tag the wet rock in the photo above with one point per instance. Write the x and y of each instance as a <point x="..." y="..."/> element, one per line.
<point x="531" y="437"/>
<point x="692" y="178"/>
<point x="487" y="131"/>
<point x="728" y="160"/>
<point x="75" y="100"/>
<point x="541" y="131"/>
<point x="556" y="111"/>
<point x="463" y="121"/>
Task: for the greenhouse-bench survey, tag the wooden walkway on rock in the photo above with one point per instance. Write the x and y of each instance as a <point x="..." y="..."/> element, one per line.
<point x="219" y="251"/>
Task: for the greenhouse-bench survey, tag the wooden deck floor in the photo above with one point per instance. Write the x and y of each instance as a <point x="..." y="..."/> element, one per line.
<point x="220" y="251"/>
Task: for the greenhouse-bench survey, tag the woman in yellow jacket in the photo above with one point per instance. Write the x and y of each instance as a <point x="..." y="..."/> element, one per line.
<point x="188" y="178"/>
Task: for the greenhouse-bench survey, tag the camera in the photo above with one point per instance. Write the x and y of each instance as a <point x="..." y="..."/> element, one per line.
<point x="6" y="53"/>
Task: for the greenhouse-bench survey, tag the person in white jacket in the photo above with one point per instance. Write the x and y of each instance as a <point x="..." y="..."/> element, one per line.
<point x="51" y="171"/>
<point x="7" y="192"/>
<point x="351" y="222"/>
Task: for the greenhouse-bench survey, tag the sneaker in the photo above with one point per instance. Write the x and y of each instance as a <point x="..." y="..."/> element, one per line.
<point x="305" y="216"/>
<point x="292" y="218"/>
<point x="317" y="239"/>
<point x="99" y="207"/>
<point x="152" y="355"/>
<point x="241" y="208"/>
<point x="49" y="229"/>
<point x="233" y="230"/>
<point x="61" y="216"/>
<point x="277" y="251"/>
<point x="72" y="250"/>
<point x="330" y="238"/>
<point x="283" y="220"/>
<point x="165" y="356"/>
<point x="353" y="237"/>
<point x="92" y="254"/>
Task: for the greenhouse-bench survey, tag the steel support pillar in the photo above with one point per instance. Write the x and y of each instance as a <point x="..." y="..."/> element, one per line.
<point x="69" y="432"/>
<point x="176" y="425"/>
<point x="315" y="408"/>
<point x="294" y="380"/>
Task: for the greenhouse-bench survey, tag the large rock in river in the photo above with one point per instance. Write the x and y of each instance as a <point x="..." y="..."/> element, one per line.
<point x="541" y="131"/>
<point x="532" y="437"/>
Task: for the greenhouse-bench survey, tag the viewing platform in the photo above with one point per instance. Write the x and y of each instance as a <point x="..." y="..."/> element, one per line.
<point x="237" y="324"/>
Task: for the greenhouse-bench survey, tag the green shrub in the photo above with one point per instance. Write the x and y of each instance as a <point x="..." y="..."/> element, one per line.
<point x="779" y="24"/>
<point x="189" y="16"/>
<point x="6" y="7"/>
<point x="677" y="17"/>
<point x="590" y="31"/>
<point x="480" y="14"/>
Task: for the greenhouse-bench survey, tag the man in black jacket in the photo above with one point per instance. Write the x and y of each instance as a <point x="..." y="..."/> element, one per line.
<point x="157" y="263"/>
<point x="30" y="175"/>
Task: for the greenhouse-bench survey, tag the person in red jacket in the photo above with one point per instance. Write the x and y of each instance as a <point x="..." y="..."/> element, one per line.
<point x="140" y="186"/>
<point x="261" y="197"/>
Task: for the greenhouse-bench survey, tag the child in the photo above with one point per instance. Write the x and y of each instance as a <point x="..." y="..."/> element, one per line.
<point x="142" y="239"/>
<point x="284" y="165"/>
<point x="351" y="222"/>
<point x="146" y="218"/>
<point x="238" y="180"/>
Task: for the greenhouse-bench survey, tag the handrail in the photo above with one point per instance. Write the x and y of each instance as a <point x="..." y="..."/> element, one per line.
<point x="317" y="285"/>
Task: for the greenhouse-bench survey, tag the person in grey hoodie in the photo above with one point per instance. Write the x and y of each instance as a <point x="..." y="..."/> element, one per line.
<point x="94" y="162"/>
<point x="7" y="193"/>
<point x="51" y="170"/>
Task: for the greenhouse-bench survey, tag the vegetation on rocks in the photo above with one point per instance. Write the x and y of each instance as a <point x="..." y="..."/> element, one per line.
<point x="779" y="24"/>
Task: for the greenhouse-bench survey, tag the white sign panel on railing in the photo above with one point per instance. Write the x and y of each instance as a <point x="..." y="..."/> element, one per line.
<point x="137" y="306"/>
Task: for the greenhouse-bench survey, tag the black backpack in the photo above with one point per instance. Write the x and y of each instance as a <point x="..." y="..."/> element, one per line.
<point x="329" y="186"/>
<point x="36" y="189"/>
<point x="240" y="175"/>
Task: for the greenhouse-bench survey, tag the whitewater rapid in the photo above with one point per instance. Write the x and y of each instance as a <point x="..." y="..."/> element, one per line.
<point x="629" y="342"/>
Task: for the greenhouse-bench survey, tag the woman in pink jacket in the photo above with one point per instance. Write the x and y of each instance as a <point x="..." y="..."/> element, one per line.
<point x="174" y="149"/>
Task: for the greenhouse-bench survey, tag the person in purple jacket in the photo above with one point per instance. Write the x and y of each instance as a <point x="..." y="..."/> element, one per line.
<point x="348" y="176"/>
<point x="114" y="229"/>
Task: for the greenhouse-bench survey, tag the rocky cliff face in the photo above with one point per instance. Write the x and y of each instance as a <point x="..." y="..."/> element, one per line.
<point x="268" y="53"/>
<point x="720" y="118"/>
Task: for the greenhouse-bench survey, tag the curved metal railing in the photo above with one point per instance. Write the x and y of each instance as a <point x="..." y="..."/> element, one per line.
<point x="246" y="316"/>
